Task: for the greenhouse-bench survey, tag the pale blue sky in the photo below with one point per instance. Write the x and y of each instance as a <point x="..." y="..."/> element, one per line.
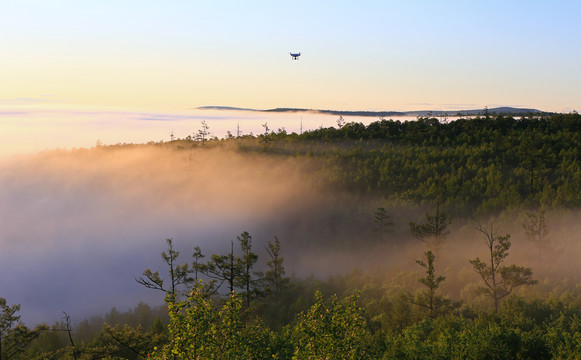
<point x="388" y="55"/>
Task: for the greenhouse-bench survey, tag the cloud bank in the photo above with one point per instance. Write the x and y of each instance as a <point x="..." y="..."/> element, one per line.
<point x="78" y="226"/>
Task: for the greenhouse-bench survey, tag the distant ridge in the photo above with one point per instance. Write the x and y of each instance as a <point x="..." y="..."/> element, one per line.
<point x="215" y="107"/>
<point x="504" y="110"/>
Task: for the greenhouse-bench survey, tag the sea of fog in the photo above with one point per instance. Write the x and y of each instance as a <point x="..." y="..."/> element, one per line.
<point x="77" y="226"/>
<point x="30" y="130"/>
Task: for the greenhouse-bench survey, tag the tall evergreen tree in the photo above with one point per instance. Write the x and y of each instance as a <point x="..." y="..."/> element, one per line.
<point x="535" y="228"/>
<point x="203" y="133"/>
<point x="246" y="280"/>
<point x="265" y="138"/>
<point x="274" y="276"/>
<point x="383" y="223"/>
<point x="430" y="299"/>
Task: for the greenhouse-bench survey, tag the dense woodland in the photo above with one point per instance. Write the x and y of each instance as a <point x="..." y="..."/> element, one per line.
<point x="239" y="305"/>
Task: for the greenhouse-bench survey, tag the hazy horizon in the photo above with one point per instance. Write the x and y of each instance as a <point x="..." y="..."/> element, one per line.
<point x="45" y="129"/>
<point x="57" y="129"/>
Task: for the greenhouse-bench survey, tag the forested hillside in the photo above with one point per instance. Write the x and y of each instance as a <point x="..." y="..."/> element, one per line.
<point x="476" y="166"/>
<point x="465" y="232"/>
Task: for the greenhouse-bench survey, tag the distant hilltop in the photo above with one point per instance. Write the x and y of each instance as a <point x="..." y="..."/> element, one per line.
<point x="505" y="110"/>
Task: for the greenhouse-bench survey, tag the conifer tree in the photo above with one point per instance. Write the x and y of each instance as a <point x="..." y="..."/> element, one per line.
<point x="246" y="279"/>
<point x="203" y="133"/>
<point x="223" y="268"/>
<point x="430" y="299"/>
<point x="382" y="222"/>
<point x="265" y="137"/>
<point x="535" y="228"/>
<point x="14" y="336"/>
<point x="434" y="231"/>
<point x="178" y="274"/>
<point x="499" y="280"/>
<point x="274" y="276"/>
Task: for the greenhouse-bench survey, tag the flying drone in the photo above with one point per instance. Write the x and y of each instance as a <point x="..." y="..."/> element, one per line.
<point x="295" y="56"/>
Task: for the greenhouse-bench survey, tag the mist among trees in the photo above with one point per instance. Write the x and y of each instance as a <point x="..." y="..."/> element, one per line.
<point x="411" y="240"/>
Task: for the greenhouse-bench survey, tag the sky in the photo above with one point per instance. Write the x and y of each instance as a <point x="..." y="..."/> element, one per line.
<point x="173" y="56"/>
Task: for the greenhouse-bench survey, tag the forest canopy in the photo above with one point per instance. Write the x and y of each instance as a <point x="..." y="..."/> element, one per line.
<point x="472" y="166"/>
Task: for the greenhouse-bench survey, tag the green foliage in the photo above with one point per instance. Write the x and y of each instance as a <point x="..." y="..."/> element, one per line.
<point x="205" y="327"/>
<point x="519" y="330"/>
<point x="430" y="299"/>
<point x="232" y="269"/>
<point x="198" y="330"/>
<point x="14" y="336"/>
<point x="330" y="331"/>
<point x="131" y="342"/>
<point x="475" y="166"/>
<point x="246" y="280"/>
<point x="8" y="320"/>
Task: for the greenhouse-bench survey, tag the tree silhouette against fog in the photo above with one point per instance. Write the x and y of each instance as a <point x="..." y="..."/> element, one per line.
<point x="499" y="280"/>
<point x="203" y="133"/>
<point x="223" y="268"/>
<point x="535" y="228"/>
<point x="247" y="279"/>
<point x="265" y="138"/>
<point x="383" y="223"/>
<point x="434" y="230"/>
<point x="430" y="299"/>
<point x="178" y="274"/>
<point x="274" y="277"/>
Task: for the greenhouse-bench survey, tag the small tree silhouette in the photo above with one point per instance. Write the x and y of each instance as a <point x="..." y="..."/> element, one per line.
<point x="499" y="280"/>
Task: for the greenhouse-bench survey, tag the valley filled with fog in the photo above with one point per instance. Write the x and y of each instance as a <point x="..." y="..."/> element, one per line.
<point x="79" y="226"/>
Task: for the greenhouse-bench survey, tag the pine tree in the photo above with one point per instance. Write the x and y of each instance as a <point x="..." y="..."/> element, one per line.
<point x="430" y="299"/>
<point x="274" y="276"/>
<point x="14" y="336"/>
<point x="499" y="280"/>
<point x="434" y="231"/>
<point x="178" y="274"/>
<point x="536" y="230"/>
<point x="246" y="280"/>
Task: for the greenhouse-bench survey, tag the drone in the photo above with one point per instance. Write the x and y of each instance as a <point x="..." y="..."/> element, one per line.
<point x="295" y="56"/>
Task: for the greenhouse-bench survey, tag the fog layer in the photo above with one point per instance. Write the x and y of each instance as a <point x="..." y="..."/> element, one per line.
<point x="76" y="227"/>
